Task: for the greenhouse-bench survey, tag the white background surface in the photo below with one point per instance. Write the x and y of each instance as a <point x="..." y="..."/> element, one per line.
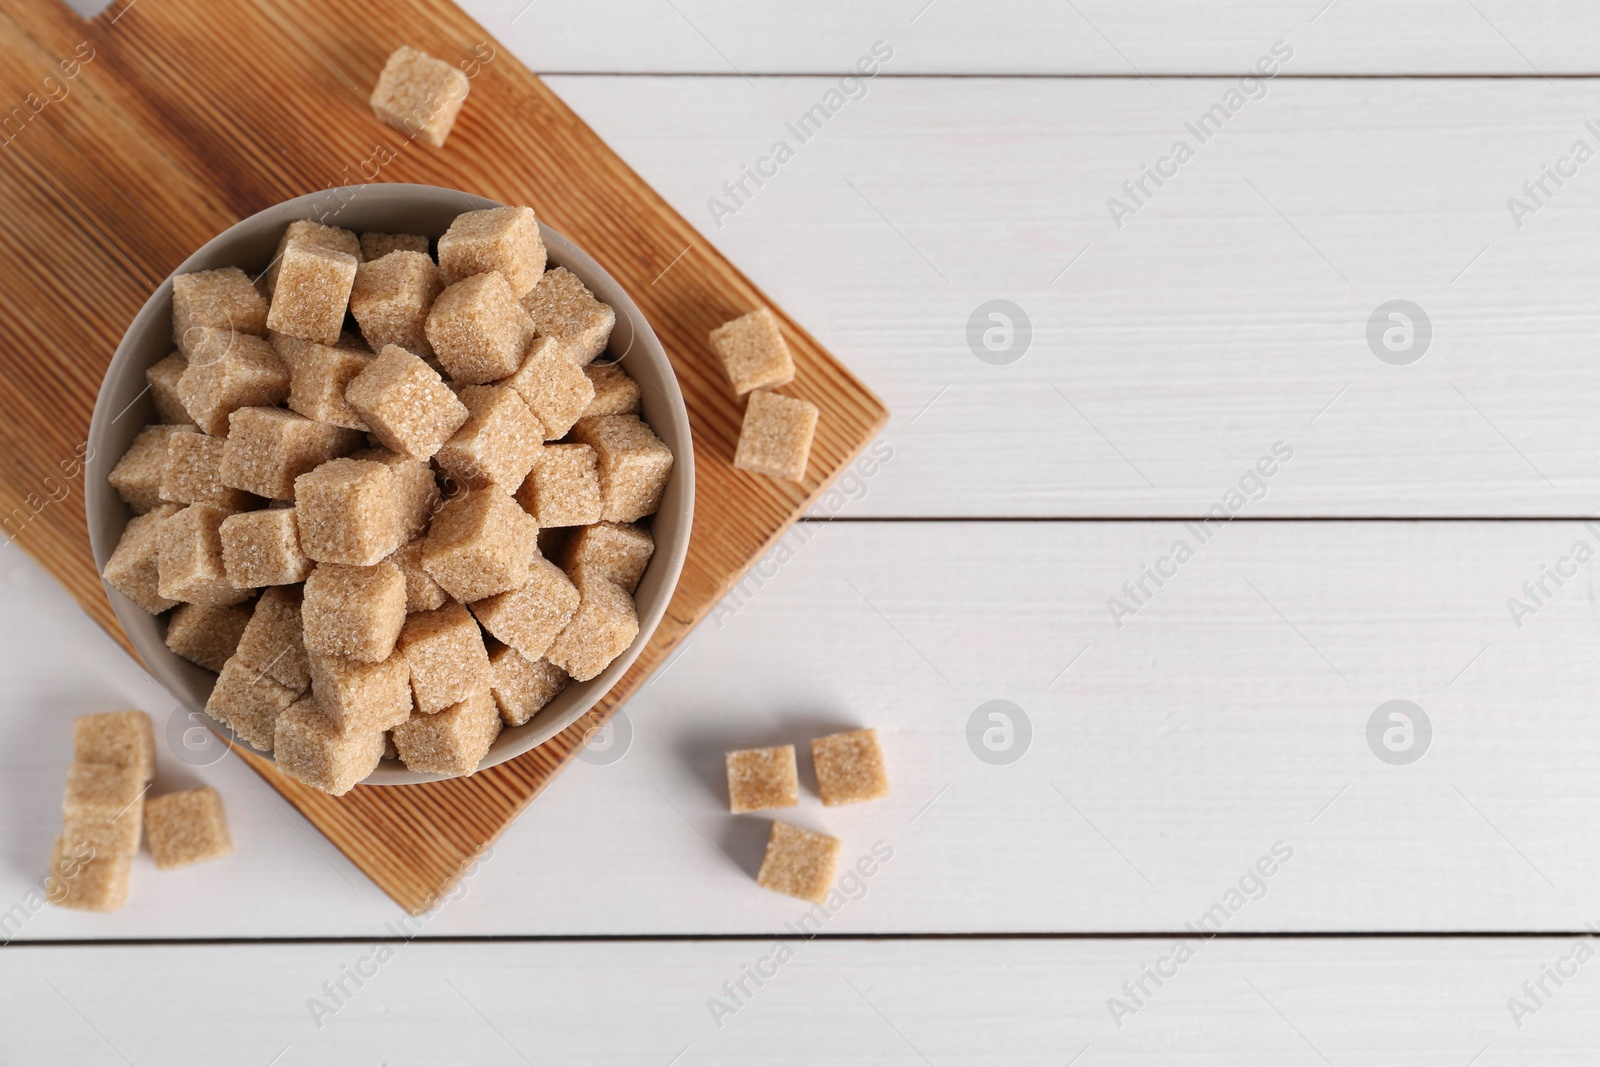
<point x="1228" y="714"/>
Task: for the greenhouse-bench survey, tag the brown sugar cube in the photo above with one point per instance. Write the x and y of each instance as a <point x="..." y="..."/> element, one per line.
<point x="118" y="838"/>
<point x="250" y="375"/>
<point x="267" y="449"/>
<point x="84" y="881"/>
<point x="480" y="544"/>
<point x="133" y="569"/>
<point x="529" y="617"/>
<point x="610" y="551"/>
<point x="391" y="300"/>
<point x="498" y="444"/>
<point x="261" y="548"/>
<point x="776" y="437"/>
<point x="117" y="738"/>
<point x="504" y="239"/>
<point x="312" y="292"/>
<point x="406" y="404"/>
<point x="349" y="511"/>
<point x="193" y="473"/>
<point x="318" y="378"/>
<point x="354" y="611"/>
<point x="207" y="635"/>
<point x="377" y="245"/>
<point x="799" y="863"/>
<point x="189" y="565"/>
<point x="137" y="475"/>
<point x="187" y="827"/>
<point x="222" y="299"/>
<point x="753" y="352"/>
<point x="163" y="381"/>
<point x="602" y="628"/>
<point x="307" y="232"/>
<point x="453" y="741"/>
<point x="849" y="767"/>
<point x="634" y="465"/>
<point x="563" y="488"/>
<point x="445" y="652"/>
<point x="249" y="702"/>
<point x="422" y="592"/>
<point x="210" y="344"/>
<point x="761" y="778"/>
<point x="419" y="95"/>
<point x="478" y="330"/>
<point x="521" y="687"/>
<point x="557" y="391"/>
<point x="360" y="697"/>
<point x="416" y="486"/>
<point x="614" y="392"/>
<point x="562" y="307"/>
<point x="310" y="749"/>
<point x="273" y="643"/>
<point x="101" y="792"/>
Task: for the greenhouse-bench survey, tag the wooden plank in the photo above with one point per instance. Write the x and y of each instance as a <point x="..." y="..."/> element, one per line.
<point x="81" y="262"/>
<point x="1205" y="730"/>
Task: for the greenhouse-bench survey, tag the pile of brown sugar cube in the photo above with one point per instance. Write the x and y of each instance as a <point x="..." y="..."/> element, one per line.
<point x="392" y="498"/>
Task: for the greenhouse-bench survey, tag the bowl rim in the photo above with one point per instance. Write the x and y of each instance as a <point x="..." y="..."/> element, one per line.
<point x="101" y="501"/>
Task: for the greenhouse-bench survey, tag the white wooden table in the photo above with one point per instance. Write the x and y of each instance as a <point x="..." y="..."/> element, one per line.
<point x="1163" y="745"/>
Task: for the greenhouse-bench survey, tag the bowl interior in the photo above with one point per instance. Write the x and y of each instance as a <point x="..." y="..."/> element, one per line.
<point x="124" y="408"/>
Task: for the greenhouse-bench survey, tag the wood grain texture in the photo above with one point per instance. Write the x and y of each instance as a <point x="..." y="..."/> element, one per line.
<point x="173" y="130"/>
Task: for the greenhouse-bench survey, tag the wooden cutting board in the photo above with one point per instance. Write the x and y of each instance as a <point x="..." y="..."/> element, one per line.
<point x="129" y="140"/>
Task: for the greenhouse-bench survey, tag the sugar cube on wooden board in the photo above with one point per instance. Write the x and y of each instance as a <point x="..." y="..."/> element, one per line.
<point x="775" y="438"/>
<point x="419" y="95"/>
<point x="753" y="352"/>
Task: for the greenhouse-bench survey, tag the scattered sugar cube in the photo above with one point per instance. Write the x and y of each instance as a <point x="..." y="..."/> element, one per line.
<point x="445" y="652"/>
<point x="163" y="381"/>
<point x="422" y="592"/>
<point x="349" y="511"/>
<point x="529" y="617"/>
<point x="521" y="687"/>
<point x="273" y="644"/>
<point x="614" y="392"/>
<point x="391" y="299"/>
<point x="261" y="548"/>
<point x="102" y="792"/>
<point x="799" y="863"/>
<point x="250" y="702"/>
<point x="207" y="635"/>
<point x="753" y="352"/>
<point x="250" y="375"/>
<point x="86" y="882"/>
<point x="419" y="95"/>
<point x="354" y="611"/>
<point x="562" y="307"/>
<point x="116" y="839"/>
<point x="480" y="544"/>
<point x="776" y="437"/>
<point x="187" y="827"/>
<point x="137" y="475"/>
<point x="312" y="292"/>
<point x="193" y="473"/>
<point x="417" y="491"/>
<point x="453" y="741"/>
<point x="762" y="778"/>
<point x="267" y="449"/>
<point x="189" y="565"/>
<point x="117" y="738"/>
<point x="609" y="551"/>
<point x="634" y="465"/>
<point x="478" y="330"/>
<point x="315" y="234"/>
<point x="223" y="299"/>
<point x="557" y="390"/>
<point x="602" y="628"/>
<point x="406" y="404"/>
<point x="563" y="489"/>
<point x="360" y="697"/>
<point x="498" y="444"/>
<point x="849" y="767"/>
<point x="133" y="568"/>
<point x="318" y="377"/>
<point x="504" y="239"/>
<point x="377" y="245"/>
<point x="310" y="749"/>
